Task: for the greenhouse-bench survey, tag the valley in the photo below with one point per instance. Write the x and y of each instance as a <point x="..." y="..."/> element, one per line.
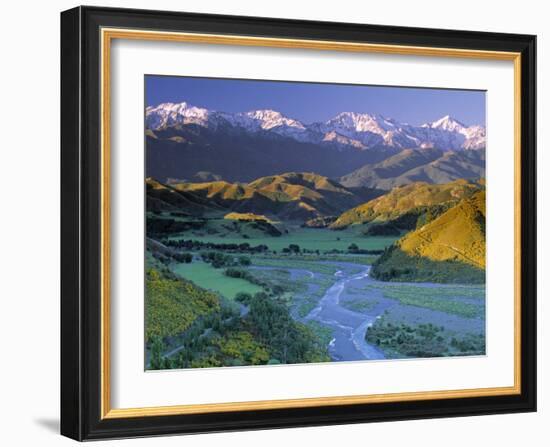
<point x="320" y="279"/>
<point x="270" y="241"/>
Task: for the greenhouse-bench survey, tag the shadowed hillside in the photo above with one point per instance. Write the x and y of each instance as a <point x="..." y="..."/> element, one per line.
<point x="413" y="165"/>
<point x="186" y="151"/>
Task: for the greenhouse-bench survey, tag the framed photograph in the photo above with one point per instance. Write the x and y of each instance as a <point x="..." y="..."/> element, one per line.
<point x="274" y="223"/>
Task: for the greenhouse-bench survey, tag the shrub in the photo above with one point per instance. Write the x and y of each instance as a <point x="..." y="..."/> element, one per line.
<point x="245" y="261"/>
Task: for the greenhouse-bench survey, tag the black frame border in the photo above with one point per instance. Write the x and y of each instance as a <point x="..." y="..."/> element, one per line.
<point x="81" y="223"/>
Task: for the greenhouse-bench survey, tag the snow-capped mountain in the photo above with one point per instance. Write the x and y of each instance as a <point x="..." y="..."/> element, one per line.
<point x="358" y="131"/>
<point x="446" y="123"/>
<point x="473" y="136"/>
<point x="270" y="120"/>
<point x="170" y="115"/>
<point x="335" y="137"/>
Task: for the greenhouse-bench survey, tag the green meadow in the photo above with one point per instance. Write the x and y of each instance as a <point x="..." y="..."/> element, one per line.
<point x="468" y="302"/>
<point x="209" y="278"/>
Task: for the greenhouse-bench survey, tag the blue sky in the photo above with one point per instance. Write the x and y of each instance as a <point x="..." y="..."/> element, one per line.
<point x="310" y="102"/>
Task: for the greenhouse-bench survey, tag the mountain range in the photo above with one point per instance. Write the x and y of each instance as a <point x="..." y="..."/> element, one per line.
<point x="183" y="140"/>
<point x="360" y="131"/>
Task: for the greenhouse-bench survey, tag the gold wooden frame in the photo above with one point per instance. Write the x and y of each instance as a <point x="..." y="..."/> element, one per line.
<point x="107" y="35"/>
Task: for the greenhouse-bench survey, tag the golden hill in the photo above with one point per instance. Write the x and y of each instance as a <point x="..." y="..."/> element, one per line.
<point x="164" y="197"/>
<point x="450" y="248"/>
<point x="247" y="216"/>
<point x="218" y="189"/>
<point x="403" y="199"/>
<point x="307" y="180"/>
<point x="458" y="234"/>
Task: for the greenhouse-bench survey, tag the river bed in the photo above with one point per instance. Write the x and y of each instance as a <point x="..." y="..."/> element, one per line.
<point x="354" y="301"/>
<point x="347" y="326"/>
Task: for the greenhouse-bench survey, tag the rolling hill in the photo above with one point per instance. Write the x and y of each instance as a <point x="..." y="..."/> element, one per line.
<point x="290" y="196"/>
<point x="458" y="234"/>
<point x="412" y="165"/>
<point x="451" y="248"/>
<point x="404" y="199"/>
<point x="161" y="197"/>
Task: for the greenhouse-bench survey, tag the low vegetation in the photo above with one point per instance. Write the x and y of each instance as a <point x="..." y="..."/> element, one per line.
<point x="422" y="340"/>
<point x="193" y="245"/>
<point x="288" y="341"/>
<point x="265" y="335"/>
<point x="218" y="339"/>
<point x="173" y="304"/>
<point x="246" y="275"/>
<point x="311" y="239"/>
<point x="159" y="226"/>
<point x="396" y="265"/>
<point x="467" y="303"/>
<point x="360" y="305"/>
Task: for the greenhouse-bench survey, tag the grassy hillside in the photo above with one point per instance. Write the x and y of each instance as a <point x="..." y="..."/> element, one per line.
<point x="458" y="234"/>
<point x="218" y="191"/>
<point x="451" y="248"/>
<point x="402" y="200"/>
<point x="161" y="197"/>
<point x="173" y="304"/>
